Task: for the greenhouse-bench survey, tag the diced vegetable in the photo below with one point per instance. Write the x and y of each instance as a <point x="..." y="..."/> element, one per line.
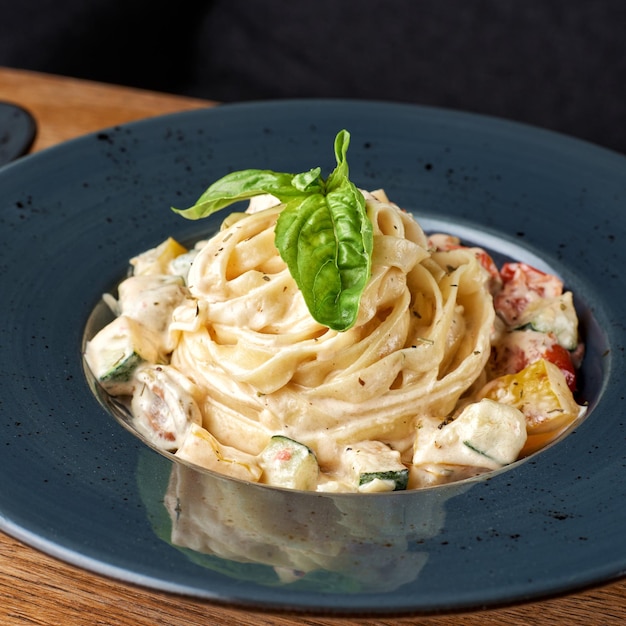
<point x="203" y="449"/>
<point x="114" y="353"/>
<point x="513" y="351"/>
<point x="485" y="434"/>
<point x="390" y="480"/>
<point x="163" y="405"/>
<point x="541" y="393"/>
<point x="553" y="315"/>
<point x="181" y="265"/>
<point x="523" y="284"/>
<point x="156" y="260"/>
<point x="543" y="284"/>
<point x="374" y="466"/>
<point x="151" y="299"/>
<point x="289" y="463"/>
<point x="492" y="430"/>
<point x="562" y="358"/>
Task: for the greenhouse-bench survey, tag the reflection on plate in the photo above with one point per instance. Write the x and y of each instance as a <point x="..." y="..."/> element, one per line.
<point x="88" y="491"/>
<point x="282" y="538"/>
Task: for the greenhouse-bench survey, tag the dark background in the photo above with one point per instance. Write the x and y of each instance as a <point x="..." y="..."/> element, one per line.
<point x="558" y="64"/>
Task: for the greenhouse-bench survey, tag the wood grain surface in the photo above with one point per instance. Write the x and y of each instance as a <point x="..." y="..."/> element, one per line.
<point x="65" y="108"/>
<point x="36" y="589"/>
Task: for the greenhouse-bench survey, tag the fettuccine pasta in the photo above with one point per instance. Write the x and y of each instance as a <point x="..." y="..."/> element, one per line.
<point x="224" y="366"/>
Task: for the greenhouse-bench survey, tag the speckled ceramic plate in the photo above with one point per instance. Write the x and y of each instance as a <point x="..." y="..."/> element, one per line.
<point x="80" y="486"/>
<point x="17" y="131"/>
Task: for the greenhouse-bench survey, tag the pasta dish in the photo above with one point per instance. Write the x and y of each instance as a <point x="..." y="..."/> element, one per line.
<point x="451" y="368"/>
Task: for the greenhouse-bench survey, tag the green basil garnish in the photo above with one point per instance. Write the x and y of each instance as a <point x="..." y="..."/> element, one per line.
<point x="323" y="233"/>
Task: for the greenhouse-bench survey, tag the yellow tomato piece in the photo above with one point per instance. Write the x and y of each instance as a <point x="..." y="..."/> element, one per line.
<point x="170" y="249"/>
<point x="541" y="393"/>
<point x="156" y="260"/>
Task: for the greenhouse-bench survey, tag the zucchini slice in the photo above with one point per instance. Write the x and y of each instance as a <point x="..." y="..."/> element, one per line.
<point x="374" y="466"/>
<point x="116" y="351"/>
<point x="496" y="432"/>
<point x="289" y="463"/>
<point x="553" y="315"/>
<point x="486" y="434"/>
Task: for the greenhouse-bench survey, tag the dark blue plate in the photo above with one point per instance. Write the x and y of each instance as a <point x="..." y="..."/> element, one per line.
<point x="80" y="486"/>
<point x="17" y="132"/>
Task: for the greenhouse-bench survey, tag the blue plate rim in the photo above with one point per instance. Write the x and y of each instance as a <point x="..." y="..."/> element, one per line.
<point x="436" y="115"/>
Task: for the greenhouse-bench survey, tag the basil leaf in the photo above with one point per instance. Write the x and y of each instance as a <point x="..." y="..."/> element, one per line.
<point x="341" y="172"/>
<point x="245" y="184"/>
<point x="326" y="241"/>
<point x="323" y="233"/>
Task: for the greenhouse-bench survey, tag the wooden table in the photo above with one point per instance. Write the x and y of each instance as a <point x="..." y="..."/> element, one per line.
<point x="38" y="589"/>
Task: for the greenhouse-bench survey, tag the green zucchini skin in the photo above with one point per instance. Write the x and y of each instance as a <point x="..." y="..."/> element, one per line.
<point x="400" y="478"/>
<point x="122" y="370"/>
<point x="553" y="315"/>
<point x="289" y="463"/>
<point x="375" y="467"/>
<point x="116" y="351"/>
